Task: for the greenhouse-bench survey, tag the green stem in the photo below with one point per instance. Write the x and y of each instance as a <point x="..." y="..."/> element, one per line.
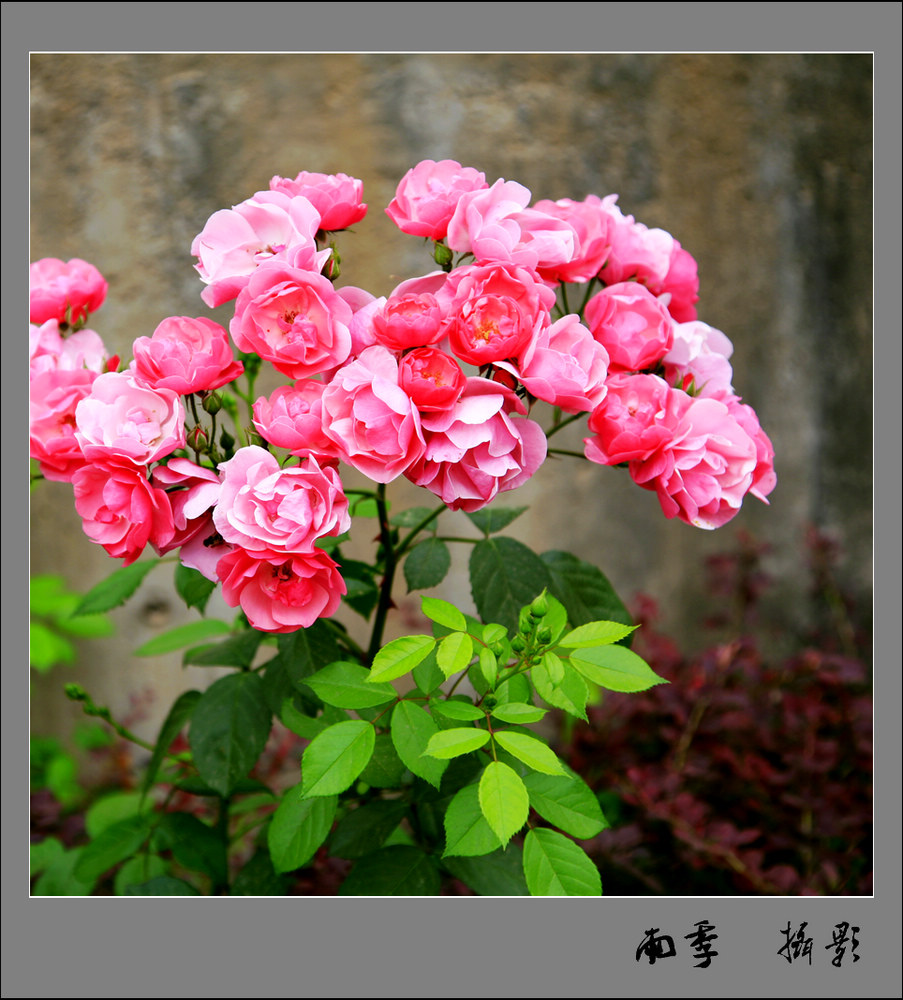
<point x="390" y="558"/>
<point x="222" y="830"/>
<point x="565" y="451"/>
<point x="405" y="543"/>
<point x="563" y="423"/>
<point x="564" y="298"/>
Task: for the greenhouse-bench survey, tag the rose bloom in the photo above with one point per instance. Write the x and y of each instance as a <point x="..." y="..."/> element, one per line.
<point x="49" y="350"/>
<point x="408" y="321"/>
<point x="264" y="508"/>
<point x="628" y="424"/>
<point x="294" y="319"/>
<point x="432" y="378"/>
<point x="337" y="197"/>
<point x="591" y="225"/>
<point x="631" y="324"/>
<point x="292" y="418"/>
<point x="64" y="291"/>
<point x="370" y="419"/>
<point x="122" y="419"/>
<point x="636" y="251"/>
<point x="478" y="448"/>
<point x="493" y="311"/>
<point x="701" y="353"/>
<point x="120" y="509"/>
<point x="764" y="478"/>
<point x="53" y="398"/>
<point x="185" y="355"/>
<point x="681" y="284"/>
<point x="426" y="196"/>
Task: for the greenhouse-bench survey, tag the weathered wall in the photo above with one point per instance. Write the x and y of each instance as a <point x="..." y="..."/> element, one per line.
<point x="759" y="164"/>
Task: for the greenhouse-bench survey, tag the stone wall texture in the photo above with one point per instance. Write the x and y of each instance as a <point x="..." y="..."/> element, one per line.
<point x="761" y="165"/>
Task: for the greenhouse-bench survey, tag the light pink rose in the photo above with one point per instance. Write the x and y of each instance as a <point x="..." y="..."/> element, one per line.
<point x="428" y="194"/>
<point x="120" y="510"/>
<point x="432" y="378"/>
<point x="292" y="418"/>
<point x="294" y="319"/>
<point x="370" y="419"/>
<point x="764" y="478"/>
<point x="64" y="291"/>
<point x="53" y="398"/>
<point x="592" y="228"/>
<point x="631" y="324"/>
<point x="699" y="352"/>
<point x="234" y="242"/>
<point x="281" y="592"/>
<point x="636" y="251"/>
<point x="193" y="493"/>
<point x="185" y="355"/>
<point x="479" y="448"/>
<point x="122" y="419"/>
<point x="263" y="507"/>
<point x="50" y="350"/>
<point x="337" y="197"/>
<point x="681" y="284"/>
<point x="628" y="424"/>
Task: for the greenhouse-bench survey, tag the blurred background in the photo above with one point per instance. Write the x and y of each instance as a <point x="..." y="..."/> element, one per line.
<point x="760" y="165"/>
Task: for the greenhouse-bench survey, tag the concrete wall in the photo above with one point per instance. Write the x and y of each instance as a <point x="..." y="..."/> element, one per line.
<point x="759" y="164"/>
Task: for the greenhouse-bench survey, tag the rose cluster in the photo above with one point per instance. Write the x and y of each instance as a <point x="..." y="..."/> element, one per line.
<point x="435" y="381"/>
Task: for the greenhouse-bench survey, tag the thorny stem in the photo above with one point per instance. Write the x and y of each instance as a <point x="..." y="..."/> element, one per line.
<point x="390" y="557"/>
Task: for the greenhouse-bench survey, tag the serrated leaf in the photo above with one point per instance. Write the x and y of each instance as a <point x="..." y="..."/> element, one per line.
<point x="556" y="866"/>
<point x="229" y="728"/>
<point x="348" y="685"/>
<point x="112" y="809"/>
<point x="584" y="590"/>
<point x="554" y="666"/>
<point x="450" y="743"/>
<point x="530" y="751"/>
<point x="595" y="634"/>
<point x="182" y="636"/>
<point x="116" y="589"/>
<point x="385" y="769"/>
<point x="503" y="800"/>
<point x="400" y="656"/>
<point x="518" y="712"/>
<point x="454" y="653"/>
<point x="306" y="650"/>
<point x="237" y="651"/>
<point x="463" y="711"/>
<point x="411" y="517"/>
<point x="336" y="757"/>
<point x="163" y="885"/>
<point x="427" y="564"/>
<point x="516" y="688"/>
<point x="362" y="830"/>
<point x="137" y="870"/>
<point x="567" y="802"/>
<point x="412" y="728"/>
<point x="115" y="844"/>
<point x="570" y="694"/>
<point x="444" y="613"/>
<point x="195" y="845"/>
<point x="500" y="873"/>
<point x="427" y="675"/>
<point x="489" y="666"/>
<point x="393" y="871"/>
<point x="504" y="576"/>
<point x="466" y="830"/>
<point x="298" y="828"/>
<point x="193" y="587"/>
<point x="178" y="715"/>
<point x="492" y="519"/>
<point x="616" y="668"/>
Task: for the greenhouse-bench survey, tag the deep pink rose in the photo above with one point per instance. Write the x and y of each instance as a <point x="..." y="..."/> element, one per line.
<point x="54" y="396"/>
<point x="631" y="324"/>
<point x="371" y="420"/>
<point x="50" y="350"/>
<point x="337" y="197"/>
<point x="264" y="508"/>
<point x="432" y="378"/>
<point x="427" y="195"/>
<point x="479" y="448"/>
<point x="185" y="355"/>
<point x="120" y="510"/>
<point x="592" y="226"/>
<point x="122" y="419"/>
<point x="628" y="424"/>
<point x="410" y="320"/>
<point x="281" y="592"/>
<point x="699" y="352"/>
<point x="193" y="493"/>
<point x="292" y="418"/>
<point x="294" y="319"/>
<point x="64" y="291"/>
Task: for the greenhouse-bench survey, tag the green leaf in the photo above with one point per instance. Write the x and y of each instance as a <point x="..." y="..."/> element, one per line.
<point x="385" y="769"/>
<point x="362" y="594"/>
<point x="518" y="712"/>
<point x="427" y="675"/>
<point x="489" y="666"/>
<point x="500" y="873"/>
<point x="427" y="564"/>
<point x="307" y="650"/>
<point x="237" y="651"/>
<point x="163" y="885"/>
<point x="584" y="590"/>
<point x="193" y="587"/>
<point x="400" y="656"/>
<point x="443" y="613"/>
<point x="336" y="757"/>
<point x="111" y="809"/>
<point x="504" y="576"/>
<point x="116" y="589"/>
<point x="454" y="653"/>
<point x="568" y="803"/>
<point x="60" y="877"/>
<point x="86" y="626"/>
<point x="492" y="519"/>
<point x="453" y="742"/>
<point x="616" y="668"/>
<point x="259" y="878"/>
<point x="183" y="635"/>
<point x="463" y="711"/>
<point x="298" y="828"/>
<point x="46" y="649"/>
<point x="531" y="751"/>
<point x="466" y="830"/>
<point x="393" y="871"/>
<point x="195" y="845"/>
<point x="569" y="694"/>
<point x="137" y="870"/>
<point x="115" y="844"/>
<point x="348" y="685"/>
<point x="366" y="828"/>
<point x="179" y="714"/>
<point x="503" y="800"/>
<point x="596" y="634"/>
<point x="43" y="854"/>
<point x="301" y="724"/>
<point x="49" y="596"/>
<point x="229" y="729"/>
<point x="556" y="866"/>
<point x="412" y="728"/>
<point x="411" y="517"/>
<point x="554" y="667"/>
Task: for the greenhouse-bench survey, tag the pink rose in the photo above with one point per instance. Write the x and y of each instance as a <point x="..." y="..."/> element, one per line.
<point x="370" y="419"/>
<point x="122" y="419"/>
<point x="681" y="283"/>
<point x="185" y="355"/>
<point x="337" y="197"/>
<point x="294" y="319"/>
<point x="478" y="448"/>
<point x="699" y="352"/>
<point x="631" y="324"/>
<point x="50" y="350"/>
<point x="408" y="321"/>
<point x="281" y="592"/>
<point x="627" y="425"/>
<point x="292" y="418"/>
<point x="592" y="226"/>
<point x="193" y="493"/>
<point x="63" y="291"/>
<point x="427" y="195"/>
<point x="53" y="398"/>
<point x="264" y="508"/>
<point x="636" y="251"/>
<point x="432" y="378"/>
<point x="764" y="478"/>
<point x="120" y="510"/>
